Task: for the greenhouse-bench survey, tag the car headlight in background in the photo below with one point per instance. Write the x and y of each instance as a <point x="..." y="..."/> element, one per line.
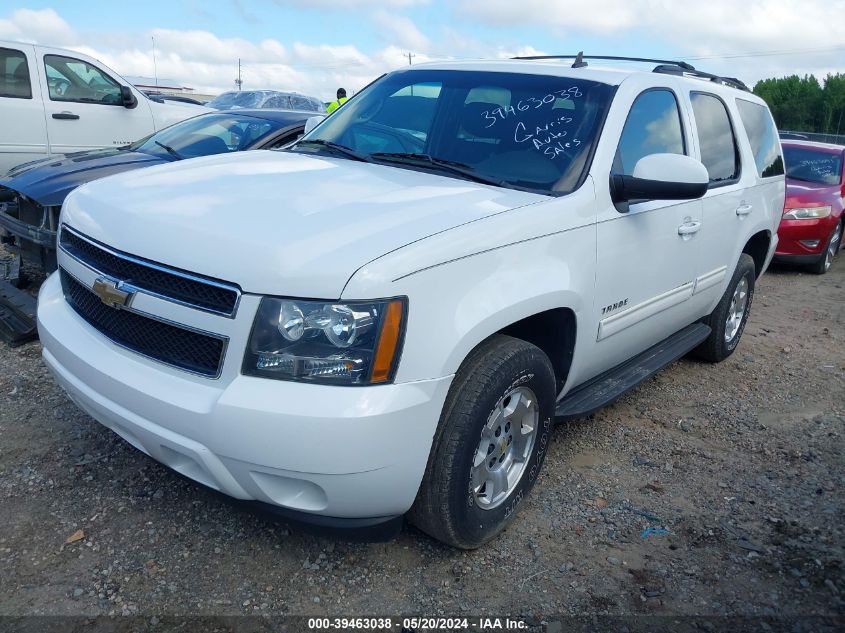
<point x="807" y="213"/>
<point x="355" y="343"/>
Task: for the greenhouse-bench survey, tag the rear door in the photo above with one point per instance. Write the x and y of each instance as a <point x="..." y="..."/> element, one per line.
<point x="84" y="108"/>
<point x="763" y="152"/>
<point x="727" y="205"/>
<point x="23" y="134"/>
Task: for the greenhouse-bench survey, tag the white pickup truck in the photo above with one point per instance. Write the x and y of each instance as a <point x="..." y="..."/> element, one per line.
<point x="56" y="101"/>
<point x="386" y="319"/>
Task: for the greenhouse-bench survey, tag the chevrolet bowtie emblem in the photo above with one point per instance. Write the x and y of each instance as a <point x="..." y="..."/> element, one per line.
<point x="109" y="292"/>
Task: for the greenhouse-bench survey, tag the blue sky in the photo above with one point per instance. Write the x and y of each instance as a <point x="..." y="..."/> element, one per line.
<point x="315" y="45"/>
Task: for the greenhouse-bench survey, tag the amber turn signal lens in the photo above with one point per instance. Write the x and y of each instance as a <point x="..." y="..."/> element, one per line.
<point x="388" y="342"/>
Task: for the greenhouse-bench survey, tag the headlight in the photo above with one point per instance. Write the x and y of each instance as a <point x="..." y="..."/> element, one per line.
<point x="808" y="213"/>
<point x="353" y="343"/>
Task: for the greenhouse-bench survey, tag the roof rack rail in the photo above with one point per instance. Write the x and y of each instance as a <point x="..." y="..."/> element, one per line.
<point x="672" y="69"/>
<point x="665" y="66"/>
<point x="580" y="56"/>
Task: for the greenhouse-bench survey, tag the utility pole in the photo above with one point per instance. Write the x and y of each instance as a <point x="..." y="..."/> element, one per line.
<point x="410" y="55"/>
<point x="239" y="81"/>
<point x="155" y="65"/>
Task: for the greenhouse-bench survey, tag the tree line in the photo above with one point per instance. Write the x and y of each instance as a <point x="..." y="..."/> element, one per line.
<point x="804" y="104"/>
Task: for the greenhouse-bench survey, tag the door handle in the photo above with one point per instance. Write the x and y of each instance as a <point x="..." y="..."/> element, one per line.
<point x="688" y="228"/>
<point x="65" y="115"/>
<point x="744" y="209"/>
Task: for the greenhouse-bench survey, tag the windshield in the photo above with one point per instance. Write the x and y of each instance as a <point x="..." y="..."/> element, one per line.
<point x="247" y="99"/>
<point x="812" y="165"/>
<point x="270" y="99"/>
<point x="207" y="134"/>
<point x="530" y="132"/>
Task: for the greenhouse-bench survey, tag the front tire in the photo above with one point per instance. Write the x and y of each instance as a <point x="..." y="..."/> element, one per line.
<point x="831" y="249"/>
<point x="490" y="443"/>
<point x="727" y="321"/>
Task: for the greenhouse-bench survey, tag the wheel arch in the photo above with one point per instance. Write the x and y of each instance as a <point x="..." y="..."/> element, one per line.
<point x="553" y="330"/>
<point x="757" y="247"/>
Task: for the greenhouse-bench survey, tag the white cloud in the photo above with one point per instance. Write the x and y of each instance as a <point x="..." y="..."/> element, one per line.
<point x="45" y="25"/>
<point x="598" y="15"/>
<point x="401" y="30"/>
<point x="714" y="29"/>
<point x="739" y="25"/>
<point x="209" y="63"/>
<point x="351" y="4"/>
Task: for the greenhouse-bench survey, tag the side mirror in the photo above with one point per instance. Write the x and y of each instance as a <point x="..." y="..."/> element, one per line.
<point x="660" y="177"/>
<point x="312" y="122"/>
<point x="127" y="97"/>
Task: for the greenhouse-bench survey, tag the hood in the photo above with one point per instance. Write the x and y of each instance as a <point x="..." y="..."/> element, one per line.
<point x="278" y="222"/>
<point x="801" y="193"/>
<point x="48" y="181"/>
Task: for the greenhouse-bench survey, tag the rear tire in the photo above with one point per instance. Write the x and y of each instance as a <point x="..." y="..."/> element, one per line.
<point x="490" y="443"/>
<point x="830" y="250"/>
<point x="727" y="321"/>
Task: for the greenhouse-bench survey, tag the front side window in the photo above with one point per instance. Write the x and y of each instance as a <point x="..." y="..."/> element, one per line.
<point x="70" y="79"/>
<point x="14" y="75"/>
<point x="532" y="132"/>
<point x="813" y="165"/>
<point x="653" y="126"/>
<point x="206" y="135"/>
<point x="763" y="137"/>
<point x="715" y="137"/>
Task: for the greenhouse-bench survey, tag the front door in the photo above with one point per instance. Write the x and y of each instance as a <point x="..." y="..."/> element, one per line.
<point x="85" y="109"/>
<point x="647" y="254"/>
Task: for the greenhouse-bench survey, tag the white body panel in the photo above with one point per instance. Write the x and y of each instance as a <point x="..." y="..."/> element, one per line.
<point x="28" y="130"/>
<point x="23" y="130"/>
<point x="471" y="259"/>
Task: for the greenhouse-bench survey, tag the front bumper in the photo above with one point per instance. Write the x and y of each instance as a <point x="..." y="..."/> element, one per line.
<point x="794" y="235"/>
<point x="333" y="454"/>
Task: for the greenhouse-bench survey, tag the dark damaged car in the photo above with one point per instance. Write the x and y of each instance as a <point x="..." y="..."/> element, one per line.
<point x="31" y="195"/>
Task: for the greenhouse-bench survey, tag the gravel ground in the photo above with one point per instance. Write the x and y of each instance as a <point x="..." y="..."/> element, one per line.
<point x="739" y="466"/>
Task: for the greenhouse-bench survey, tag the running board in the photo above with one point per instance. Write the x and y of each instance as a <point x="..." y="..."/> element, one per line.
<point x="17" y="315"/>
<point x="607" y="387"/>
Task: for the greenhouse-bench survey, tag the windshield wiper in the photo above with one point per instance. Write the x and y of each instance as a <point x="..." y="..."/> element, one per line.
<point x="169" y="150"/>
<point x="337" y="147"/>
<point x="451" y="166"/>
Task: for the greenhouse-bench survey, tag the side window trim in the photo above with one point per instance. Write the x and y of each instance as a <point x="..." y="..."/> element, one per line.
<point x="737" y="153"/>
<point x="684" y="140"/>
<point x="25" y="63"/>
<point x="82" y="61"/>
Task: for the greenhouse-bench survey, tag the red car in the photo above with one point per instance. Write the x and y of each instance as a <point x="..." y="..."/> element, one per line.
<point x="812" y="225"/>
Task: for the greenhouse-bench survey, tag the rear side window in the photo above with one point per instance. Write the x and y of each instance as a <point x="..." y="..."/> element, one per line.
<point x="653" y="126"/>
<point x="14" y="75"/>
<point x="715" y="137"/>
<point x="763" y="137"/>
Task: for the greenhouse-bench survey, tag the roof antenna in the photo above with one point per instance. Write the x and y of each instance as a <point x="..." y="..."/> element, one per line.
<point x="579" y="60"/>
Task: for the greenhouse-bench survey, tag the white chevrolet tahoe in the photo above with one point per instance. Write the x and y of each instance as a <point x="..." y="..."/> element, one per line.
<point x="56" y="101"/>
<point x="386" y="319"/>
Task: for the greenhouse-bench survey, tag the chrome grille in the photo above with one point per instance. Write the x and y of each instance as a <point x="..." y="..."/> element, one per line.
<point x="203" y="293"/>
<point x="190" y="350"/>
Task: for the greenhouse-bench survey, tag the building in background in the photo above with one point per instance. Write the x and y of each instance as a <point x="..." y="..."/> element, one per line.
<point x="170" y="87"/>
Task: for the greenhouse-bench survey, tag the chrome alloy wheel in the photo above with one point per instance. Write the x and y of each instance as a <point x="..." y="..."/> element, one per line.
<point x="737" y="310"/>
<point x="505" y="447"/>
<point x="833" y="247"/>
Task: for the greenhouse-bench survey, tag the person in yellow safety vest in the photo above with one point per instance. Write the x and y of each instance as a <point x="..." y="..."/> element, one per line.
<point x="341" y="99"/>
